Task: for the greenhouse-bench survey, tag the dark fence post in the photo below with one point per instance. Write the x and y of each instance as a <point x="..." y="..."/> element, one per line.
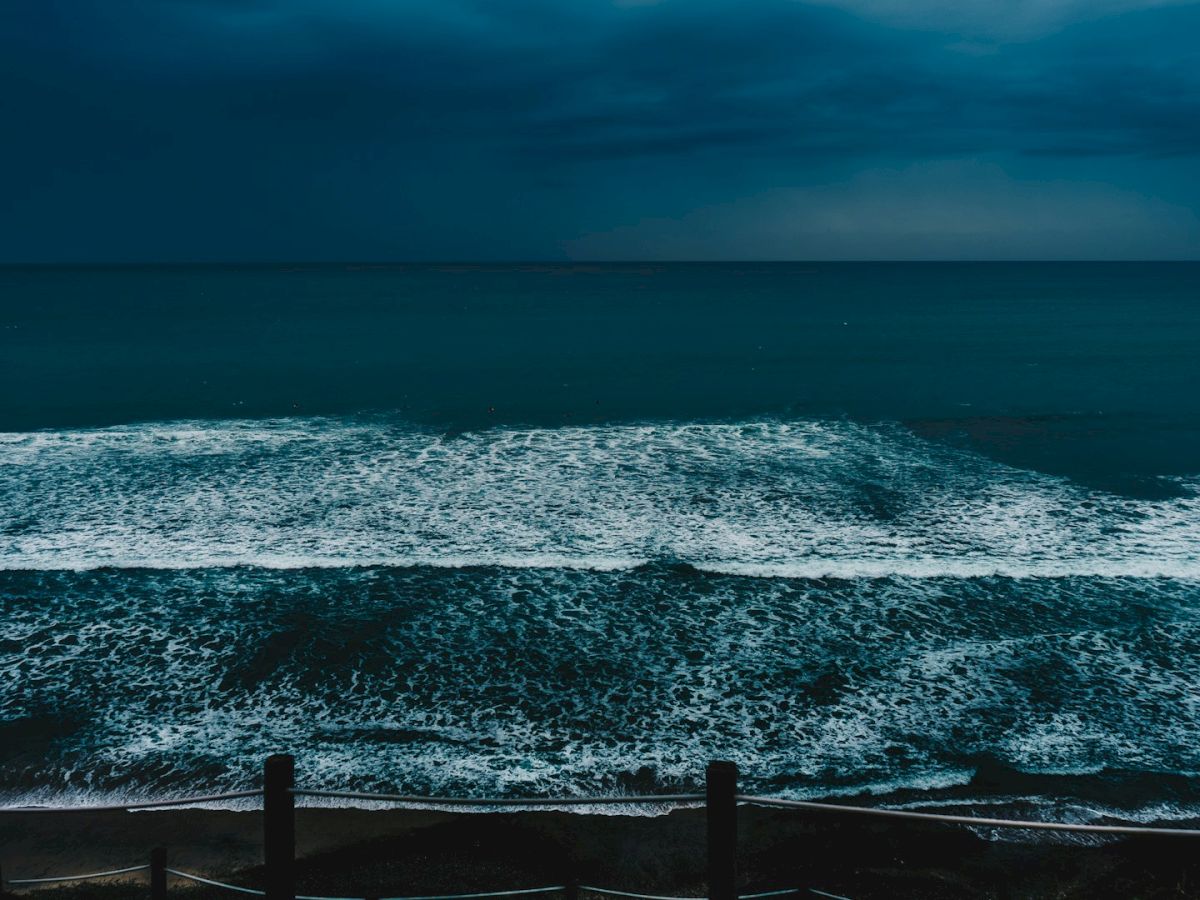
<point x="720" y="782"/>
<point x="279" y="826"/>
<point x="158" y="873"/>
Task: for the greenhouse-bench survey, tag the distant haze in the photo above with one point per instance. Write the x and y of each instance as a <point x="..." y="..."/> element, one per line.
<point x="312" y="130"/>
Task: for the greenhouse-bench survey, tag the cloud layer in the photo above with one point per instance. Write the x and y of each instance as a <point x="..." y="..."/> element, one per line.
<point x="219" y="129"/>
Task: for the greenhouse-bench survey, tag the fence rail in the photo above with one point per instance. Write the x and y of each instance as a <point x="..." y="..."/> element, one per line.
<point x="88" y="877"/>
<point x="973" y="821"/>
<point x="570" y="890"/>
<point x="550" y="889"/>
<point x="720" y="800"/>
<point x="416" y="799"/>
<point x="138" y="804"/>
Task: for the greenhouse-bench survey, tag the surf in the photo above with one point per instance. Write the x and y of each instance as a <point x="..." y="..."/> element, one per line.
<point x="802" y="498"/>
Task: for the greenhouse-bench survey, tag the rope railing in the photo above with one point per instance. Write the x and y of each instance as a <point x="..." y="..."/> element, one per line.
<point x="612" y="892"/>
<point x="199" y="879"/>
<point x="552" y="889"/>
<point x="140" y="804"/>
<point x="974" y="821"/>
<point x="549" y="889"/>
<point x="720" y="800"/>
<point x="417" y="799"/>
<point x="632" y="799"/>
<point x="86" y="877"/>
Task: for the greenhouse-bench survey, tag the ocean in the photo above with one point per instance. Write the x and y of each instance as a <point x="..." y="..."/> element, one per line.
<point x="914" y="533"/>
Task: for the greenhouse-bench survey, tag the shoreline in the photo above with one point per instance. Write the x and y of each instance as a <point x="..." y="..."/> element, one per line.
<point x="347" y="852"/>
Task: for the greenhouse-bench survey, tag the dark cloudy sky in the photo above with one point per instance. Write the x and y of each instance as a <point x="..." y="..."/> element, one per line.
<point x="176" y="130"/>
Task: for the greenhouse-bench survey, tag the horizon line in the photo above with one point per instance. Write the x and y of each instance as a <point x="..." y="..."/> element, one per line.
<point x="560" y="263"/>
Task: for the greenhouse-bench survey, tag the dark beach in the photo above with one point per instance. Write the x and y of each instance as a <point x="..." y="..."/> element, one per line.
<point x="345" y="852"/>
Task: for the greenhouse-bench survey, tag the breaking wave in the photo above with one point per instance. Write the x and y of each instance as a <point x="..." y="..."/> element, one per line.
<point x="784" y="499"/>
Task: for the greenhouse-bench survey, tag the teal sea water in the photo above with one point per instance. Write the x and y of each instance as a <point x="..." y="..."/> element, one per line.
<point x="925" y="531"/>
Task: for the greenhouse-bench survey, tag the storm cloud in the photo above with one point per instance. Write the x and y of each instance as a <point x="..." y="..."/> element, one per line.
<point x="180" y="130"/>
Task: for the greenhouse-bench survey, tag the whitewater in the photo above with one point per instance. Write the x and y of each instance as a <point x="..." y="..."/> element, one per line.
<point x="842" y="607"/>
<point x="776" y="498"/>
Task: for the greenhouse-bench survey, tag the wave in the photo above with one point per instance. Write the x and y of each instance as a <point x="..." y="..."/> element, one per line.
<point x="815" y="570"/>
<point x="771" y="498"/>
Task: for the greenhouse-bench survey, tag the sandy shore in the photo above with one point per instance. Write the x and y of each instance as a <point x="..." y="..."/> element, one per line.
<point x="347" y="852"/>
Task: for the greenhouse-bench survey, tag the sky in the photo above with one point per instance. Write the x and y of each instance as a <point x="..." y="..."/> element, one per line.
<point x="325" y="130"/>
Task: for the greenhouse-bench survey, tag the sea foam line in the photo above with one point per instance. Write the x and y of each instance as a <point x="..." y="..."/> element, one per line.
<point x="844" y="569"/>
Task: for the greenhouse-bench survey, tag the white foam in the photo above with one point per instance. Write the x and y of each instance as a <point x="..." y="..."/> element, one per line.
<point x="778" y="499"/>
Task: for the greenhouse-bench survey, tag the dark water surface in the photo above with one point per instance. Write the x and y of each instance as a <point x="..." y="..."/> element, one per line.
<point x="926" y="530"/>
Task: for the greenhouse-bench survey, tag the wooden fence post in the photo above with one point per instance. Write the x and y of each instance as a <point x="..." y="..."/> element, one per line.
<point x="720" y="781"/>
<point x="158" y="873"/>
<point x="279" y="826"/>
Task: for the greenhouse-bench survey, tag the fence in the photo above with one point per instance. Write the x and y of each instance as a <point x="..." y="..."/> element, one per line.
<point x="720" y="800"/>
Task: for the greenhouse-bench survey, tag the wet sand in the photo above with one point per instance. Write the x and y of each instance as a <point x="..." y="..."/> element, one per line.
<point x="346" y="852"/>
